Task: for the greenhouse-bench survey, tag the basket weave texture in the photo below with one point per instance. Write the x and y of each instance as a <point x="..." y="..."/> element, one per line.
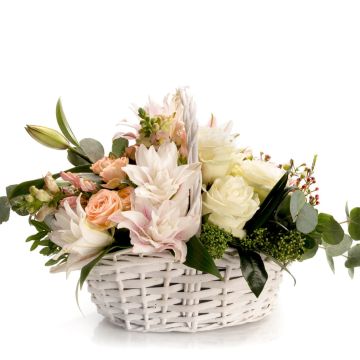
<point x="154" y="293"/>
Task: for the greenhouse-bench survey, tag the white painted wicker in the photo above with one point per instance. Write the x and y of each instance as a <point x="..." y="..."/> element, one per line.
<point x="153" y="293"/>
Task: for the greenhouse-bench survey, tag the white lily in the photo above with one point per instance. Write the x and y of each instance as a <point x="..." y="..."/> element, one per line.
<point x="76" y="237"/>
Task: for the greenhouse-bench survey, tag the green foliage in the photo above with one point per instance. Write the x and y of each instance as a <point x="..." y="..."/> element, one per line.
<point x="269" y="206"/>
<point x="93" y="149"/>
<point x="330" y="230"/>
<point x="14" y="191"/>
<point x="311" y="247"/>
<point x="340" y="248"/>
<point x="297" y="201"/>
<point x="148" y="124"/>
<point x="331" y="263"/>
<point x="307" y="219"/>
<point x="354" y="223"/>
<point x="118" y="147"/>
<point x="199" y="258"/>
<point x="284" y="246"/>
<point x="64" y="125"/>
<point x="4" y="209"/>
<point x="253" y="270"/>
<point x="353" y="259"/>
<point x="215" y="239"/>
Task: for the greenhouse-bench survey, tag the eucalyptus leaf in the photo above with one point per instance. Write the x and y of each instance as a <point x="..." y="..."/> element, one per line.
<point x="253" y="270"/>
<point x="307" y="219"/>
<point x="340" y="248"/>
<point x="297" y="201"/>
<point x="353" y="259"/>
<point x="331" y="231"/>
<point x="64" y="125"/>
<point x="92" y="148"/>
<point x="311" y="249"/>
<point x="75" y="159"/>
<point x="354" y="223"/>
<point x="351" y="272"/>
<point x="199" y="258"/>
<point x="4" y="209"/>
<point x="347" y="212"/>
<point x="118" y="146"/>
<point x="331" y="263"/>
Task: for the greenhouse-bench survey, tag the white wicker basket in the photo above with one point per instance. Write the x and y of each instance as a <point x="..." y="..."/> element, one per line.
<point x="153" y="293"/>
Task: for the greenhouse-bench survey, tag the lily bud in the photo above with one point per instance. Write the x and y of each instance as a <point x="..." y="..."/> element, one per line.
<point x="47" y="137"/>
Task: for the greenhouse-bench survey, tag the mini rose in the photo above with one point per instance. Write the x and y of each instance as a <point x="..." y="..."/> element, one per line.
<point x="101" y="206"/>
<point x="113" y="174"/>
<point x="230" y="203"/>
<point x="261" y="175"/>
<point x="101" y="164"/>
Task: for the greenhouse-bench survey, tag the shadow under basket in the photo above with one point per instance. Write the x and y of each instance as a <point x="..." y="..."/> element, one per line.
<point x="153" y="293"/>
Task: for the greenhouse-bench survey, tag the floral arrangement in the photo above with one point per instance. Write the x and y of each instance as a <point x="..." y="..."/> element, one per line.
<point x="151" y="194"/>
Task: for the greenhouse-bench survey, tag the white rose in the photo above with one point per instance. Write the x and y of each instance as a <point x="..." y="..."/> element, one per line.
<point x="231" y="202"/>
<point x="216" y="152"/>
<point x="261" y="175"/>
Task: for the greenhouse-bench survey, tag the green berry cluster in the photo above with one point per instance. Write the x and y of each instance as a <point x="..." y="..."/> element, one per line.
<point x="148" y="124"/>
<point x="215" y="239"/>
<point x="284" y="246"/>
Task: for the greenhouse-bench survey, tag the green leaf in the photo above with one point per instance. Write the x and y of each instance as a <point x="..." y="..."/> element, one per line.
<point x="199" y="258"/>
<point x="92" y="149"/>
<point x="331" y="231"/>
<point x="340" y="248"/>
<point x="353" y="259"/>
<point x="37" y="236"/>
<point x="269" y="205"/>
<point x="311" y="246"/>
<point x="118" y="146"/>
<point x="297" y="201"/>
<point x="253" y="270"/>
<point x="331" y="263"/>
<point x="354" y="223"/>
<point x="39" y="226"/>
<point x="351" y="272"/>
<point x="23" y="188"/>
<point x="64" y="125"/>
<point x="4" y="209"/>
<point x="75" y="159"/>
<point x="307" y="219"/>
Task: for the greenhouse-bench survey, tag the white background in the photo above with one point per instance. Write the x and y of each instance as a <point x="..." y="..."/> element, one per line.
<point x="286" y="72"/>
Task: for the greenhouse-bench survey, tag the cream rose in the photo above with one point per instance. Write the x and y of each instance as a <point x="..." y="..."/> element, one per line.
<point x="230" y="203"/>
<point x="101" y="206"/>
<point x="261" y="175"/>
<point x="101" y="164"/>
<point x="216" y="152"/>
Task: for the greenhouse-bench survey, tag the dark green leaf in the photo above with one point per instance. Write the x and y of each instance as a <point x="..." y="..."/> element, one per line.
<point x="307" y="219"/>
<point x="269" y="205"/>
<point x="75" y="159"/>
<point x="253" y="270"/>
<point x="4" y="209"/>
<point x="297" y="201"/>
<point x="92" y="149"/>
<point x="330" y="229"/>
<point x="311" y="247"/>
<point x="23" y="188"/>
<point x="340" y="248"/>
<point x="37" y="236"/>
<point x="118" y="146"/>
<point x="39" y="226"/>
<point x="353" y="259"/>
<point x="64" y="125"/>
<point x="354" y="223"/>
<point x="330" y="261"/>
<point x="199" y="258"/>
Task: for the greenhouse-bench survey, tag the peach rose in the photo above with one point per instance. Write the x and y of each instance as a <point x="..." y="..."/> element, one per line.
<point x="101" y="164"/>
<point x="125" y="195"/>
<point x="102" y="205"/>
<point x="113" y="174"/>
